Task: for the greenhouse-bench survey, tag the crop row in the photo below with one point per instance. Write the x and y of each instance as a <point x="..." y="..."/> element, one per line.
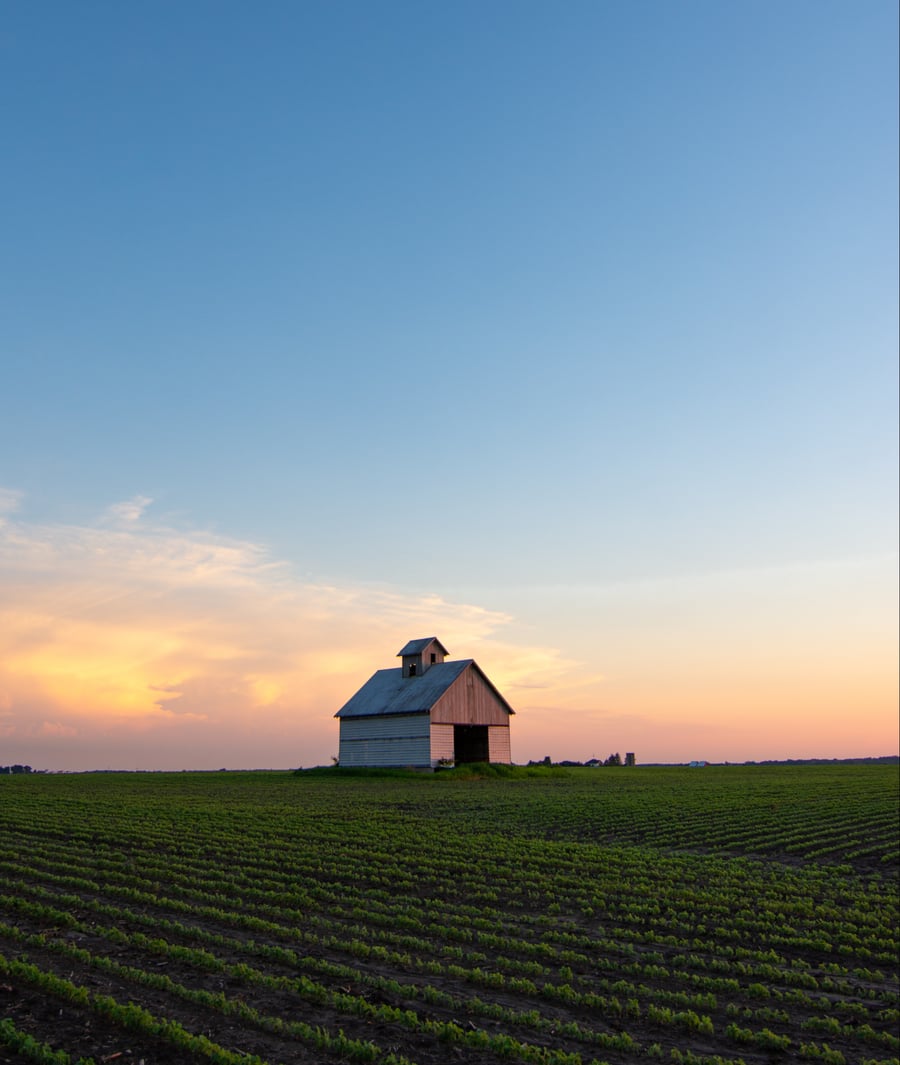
<point x="134" y="1017"/>
<point x="624" y="999"/>
<point x="730" y="809"/>
<point x="357" y="1005"/>
<point x="662" y="896"/>
<point x="545" y="943"/>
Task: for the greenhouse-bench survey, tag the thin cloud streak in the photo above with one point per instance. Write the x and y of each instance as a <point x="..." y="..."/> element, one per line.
<point x="129" y="511"/>
<point x="9" y="501"/>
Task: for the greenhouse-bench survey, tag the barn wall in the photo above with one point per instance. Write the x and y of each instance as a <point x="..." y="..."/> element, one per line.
<point x="441" y="742"/>
<point x="498" y="744"/>
<point x="385" y="740"/>
<point x="469" y="701"/>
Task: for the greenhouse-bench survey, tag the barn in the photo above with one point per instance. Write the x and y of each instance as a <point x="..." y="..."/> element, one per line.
<point x="425" y="712"/>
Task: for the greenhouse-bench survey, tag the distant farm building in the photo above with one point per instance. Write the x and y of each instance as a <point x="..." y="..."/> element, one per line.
<point x="424" y="713"/>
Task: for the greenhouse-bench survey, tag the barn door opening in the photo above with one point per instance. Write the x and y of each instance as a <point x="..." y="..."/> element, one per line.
<point x="470" y="744"/>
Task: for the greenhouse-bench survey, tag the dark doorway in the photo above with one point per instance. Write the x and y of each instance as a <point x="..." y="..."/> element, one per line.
<point x="470" y="744"/>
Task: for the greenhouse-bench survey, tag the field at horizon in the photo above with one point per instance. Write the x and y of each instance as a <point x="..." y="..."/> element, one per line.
<point x="565" y="763"/>
<point x="556" y="916"/>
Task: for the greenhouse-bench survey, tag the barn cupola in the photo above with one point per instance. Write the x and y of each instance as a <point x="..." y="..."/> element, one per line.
<point x="419" y="655"/>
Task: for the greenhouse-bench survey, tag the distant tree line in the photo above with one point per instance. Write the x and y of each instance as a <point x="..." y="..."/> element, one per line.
<point x="16" y="769"/>
<point x="613" y="759"/>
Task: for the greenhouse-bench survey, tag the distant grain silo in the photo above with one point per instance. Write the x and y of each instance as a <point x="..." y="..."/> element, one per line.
<point x="424" y="713"/>
<point x="629" y="758"/>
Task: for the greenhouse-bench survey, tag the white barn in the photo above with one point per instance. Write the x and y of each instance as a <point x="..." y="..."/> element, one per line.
<point x="425" y="712"/>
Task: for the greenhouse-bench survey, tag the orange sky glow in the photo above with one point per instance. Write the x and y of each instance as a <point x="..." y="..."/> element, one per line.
<point x="126" y="645"/>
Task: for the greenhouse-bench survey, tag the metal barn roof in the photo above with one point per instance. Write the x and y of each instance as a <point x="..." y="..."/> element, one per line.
<point x="416" y="647"/>
<point x="389" y="692"/>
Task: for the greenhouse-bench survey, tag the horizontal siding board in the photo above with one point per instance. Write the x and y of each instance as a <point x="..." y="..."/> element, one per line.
<point x="386" y="726"/>
<point x="385" y="752"/>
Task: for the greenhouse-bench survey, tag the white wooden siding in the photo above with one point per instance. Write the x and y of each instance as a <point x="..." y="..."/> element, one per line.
<point x="383" y="725"/>
<point x="498" y="744"/>
<point x="441" y="743"/>
<point x="388" y="740"/>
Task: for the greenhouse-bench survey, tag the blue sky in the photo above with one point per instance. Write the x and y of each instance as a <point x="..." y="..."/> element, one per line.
<point x="514" y="305"/>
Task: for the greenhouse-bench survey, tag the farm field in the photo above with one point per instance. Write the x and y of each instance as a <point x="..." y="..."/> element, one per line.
<point x="561" y="916"/>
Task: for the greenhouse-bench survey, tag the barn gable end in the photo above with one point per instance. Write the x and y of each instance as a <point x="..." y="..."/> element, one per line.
<point x="471" y="701"/>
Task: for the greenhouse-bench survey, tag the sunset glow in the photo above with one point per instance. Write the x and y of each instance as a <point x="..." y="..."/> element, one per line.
<point x="214" y="653"/>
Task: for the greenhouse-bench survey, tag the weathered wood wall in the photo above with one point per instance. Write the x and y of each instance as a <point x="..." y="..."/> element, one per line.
<point x="441" y="742"/>
<point x="470" y="701"/>
<point x="498" y="744"/>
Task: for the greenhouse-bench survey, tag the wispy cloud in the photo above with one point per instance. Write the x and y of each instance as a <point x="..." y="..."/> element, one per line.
<point x="125" y="627"/>
<point x="9" y="502"/>
<point x="129" y="511"/>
